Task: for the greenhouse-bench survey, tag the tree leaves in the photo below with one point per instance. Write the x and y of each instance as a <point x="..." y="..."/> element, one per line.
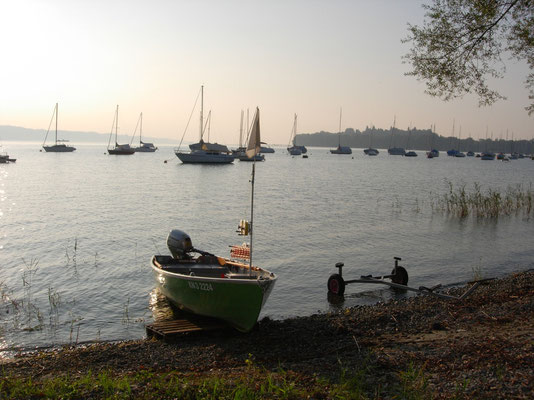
<point x="460" y="46"/>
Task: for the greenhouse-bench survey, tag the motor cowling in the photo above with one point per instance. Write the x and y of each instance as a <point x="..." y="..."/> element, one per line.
<point x="179" y="243"/>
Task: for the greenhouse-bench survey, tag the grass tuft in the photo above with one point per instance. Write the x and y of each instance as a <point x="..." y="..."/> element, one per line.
<point x="460" y="202"/>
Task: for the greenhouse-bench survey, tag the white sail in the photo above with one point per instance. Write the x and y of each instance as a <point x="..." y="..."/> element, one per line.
<point x="254" y="142"/>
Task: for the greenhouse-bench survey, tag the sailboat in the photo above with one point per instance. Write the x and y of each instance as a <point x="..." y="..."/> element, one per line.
<point x="119" y="149"/>
<point x="409" y="153"/>
<point x="487" y="155"/>
<point x="205" y="152"/>
<point x="294" y="150"/>
<point x="341" y="149"/>
<point x="4" y="157"/>
<point x="432" y="153"/>
<point x="241" y="152"/>
<point x="371" y="151"/>
<point x="395" y="151"/>
<point x="59" y="146"/>
<point x="144" y="147"/>
<point x="199" y="282"/>
<point x="241" y="149"/>
<point x="459" y="154"/>
<point x="266" y="148"/>
<point x="452" y="151"/>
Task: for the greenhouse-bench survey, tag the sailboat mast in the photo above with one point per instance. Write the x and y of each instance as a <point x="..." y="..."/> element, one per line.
<point x="339" y="136"/>
<point x="201" y="110"/>
<point x="140" y="128"/>
<point x="116" y="126"/>
<point x="241" y="130"/>
<point x="391" y="142"/>
<point x="56" y="122"/>
<point x="295" y="131"/>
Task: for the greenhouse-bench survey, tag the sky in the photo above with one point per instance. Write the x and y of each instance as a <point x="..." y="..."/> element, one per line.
<point x="309" y="57"/>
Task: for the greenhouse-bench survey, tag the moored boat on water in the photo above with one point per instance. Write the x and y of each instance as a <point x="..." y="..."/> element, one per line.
<point x="257" y="157"/>
<point x="119" y="149"/>
<point x="144" y="147"/>
<point x="59" y="145"/>
<point x="487" y="156"/>
<point x="295" y="150"/>
<point x="205" y="152"/>
<point x="340" y="149"/>
<point x="371" y="151"/>
<point x="4" y="157"/>
<point x="266" y="149"/>
<point x="432" y="153"/>
<point x="396" y="151"/>
<point x="241" y="152"/>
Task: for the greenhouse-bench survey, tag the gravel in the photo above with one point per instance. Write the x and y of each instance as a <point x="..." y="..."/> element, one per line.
<point x="482" y="346"/>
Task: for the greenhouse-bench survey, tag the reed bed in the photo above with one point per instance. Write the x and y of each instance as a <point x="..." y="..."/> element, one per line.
<point x="492" y="203"/>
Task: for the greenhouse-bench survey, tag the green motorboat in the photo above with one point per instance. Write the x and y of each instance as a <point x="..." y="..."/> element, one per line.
<point x="201" y="283"/>
<point x="223" y="288"/>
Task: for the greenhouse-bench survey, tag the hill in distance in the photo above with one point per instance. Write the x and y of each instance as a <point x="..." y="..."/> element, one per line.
<point x="20" y="134"/>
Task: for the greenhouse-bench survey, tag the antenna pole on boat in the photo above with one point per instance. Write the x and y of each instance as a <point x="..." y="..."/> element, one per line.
<point x="256" y="140"/>
<point x="252" y="212"/>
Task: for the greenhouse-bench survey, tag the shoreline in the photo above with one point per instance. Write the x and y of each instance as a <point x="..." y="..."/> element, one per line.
<point x="480" y="347"/>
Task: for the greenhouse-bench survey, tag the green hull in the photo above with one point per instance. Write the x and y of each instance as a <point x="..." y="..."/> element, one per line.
<point x="236" y="301"/>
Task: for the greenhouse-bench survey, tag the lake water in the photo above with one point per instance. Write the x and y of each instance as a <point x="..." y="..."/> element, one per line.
<point x="77" y="231"/>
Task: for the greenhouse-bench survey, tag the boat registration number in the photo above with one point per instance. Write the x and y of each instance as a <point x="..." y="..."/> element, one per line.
<point x="201" y="286"/>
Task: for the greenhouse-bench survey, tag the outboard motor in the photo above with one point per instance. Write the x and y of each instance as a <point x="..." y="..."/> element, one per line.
<point x="179" y="244"/>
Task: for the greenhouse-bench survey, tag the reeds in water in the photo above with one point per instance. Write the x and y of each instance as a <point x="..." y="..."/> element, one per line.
<point x="460" y="202"/>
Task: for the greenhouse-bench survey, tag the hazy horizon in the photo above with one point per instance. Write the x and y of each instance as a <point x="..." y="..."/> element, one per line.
<point x="305" y="57"/>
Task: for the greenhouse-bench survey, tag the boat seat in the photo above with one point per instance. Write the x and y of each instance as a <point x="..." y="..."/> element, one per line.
<point x="208" y="266"/>
<point x="205" y="259"/>
<point x="210" y="271"/>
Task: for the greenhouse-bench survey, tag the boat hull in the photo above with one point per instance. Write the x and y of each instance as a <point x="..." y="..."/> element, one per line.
<point x="294" y="151"/>
<point x="341" y="150"/>
<point x="125" y="152"/>
<point x="371" y="152"/>
<point x="59" y="148"/>
<point x="199" y="157"/>
<point x="235" y="301"/>
<point x="396" y="151"/>
<point x="145" y="149"/>
<point x="488" y="156"/>
<point x="257" y="157"/>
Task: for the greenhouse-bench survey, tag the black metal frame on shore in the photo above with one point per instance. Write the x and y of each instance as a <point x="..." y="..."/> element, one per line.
<point x="399" y="281"/>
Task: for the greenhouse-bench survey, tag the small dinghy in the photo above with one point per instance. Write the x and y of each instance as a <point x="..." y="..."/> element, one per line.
<point x="204" y="284"/>
<point x="223" y="288"/>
